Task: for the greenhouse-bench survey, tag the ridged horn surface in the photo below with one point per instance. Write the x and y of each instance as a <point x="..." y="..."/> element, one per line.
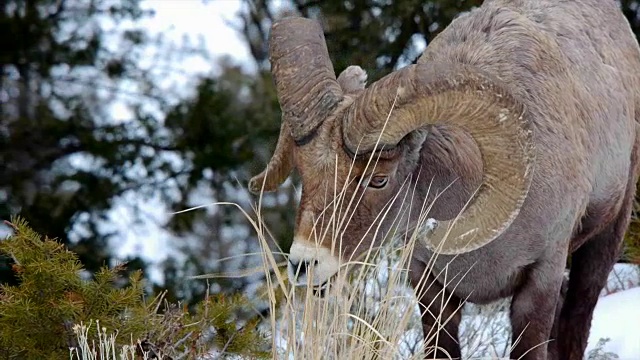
<point x="304" y="77"/>
<point x="461" y="96"/>
<point x="307" y="92"/>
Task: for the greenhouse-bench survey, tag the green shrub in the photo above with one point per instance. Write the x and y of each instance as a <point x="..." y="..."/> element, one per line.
<point x="38" y="316"/>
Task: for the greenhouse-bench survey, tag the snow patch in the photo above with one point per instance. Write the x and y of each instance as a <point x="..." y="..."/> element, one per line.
<point x="617" y="317"/>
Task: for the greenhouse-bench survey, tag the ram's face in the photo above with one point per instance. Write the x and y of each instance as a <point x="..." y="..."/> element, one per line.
<point x="344" y="207"/>
<point x="344" y="203"/>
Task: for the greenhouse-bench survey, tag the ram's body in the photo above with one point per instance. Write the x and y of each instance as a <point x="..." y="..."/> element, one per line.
<point x="568" y="166"/>
<point x="576" y="68"/>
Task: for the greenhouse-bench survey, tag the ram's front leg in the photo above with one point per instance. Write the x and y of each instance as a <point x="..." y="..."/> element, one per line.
<point x="533" y="308"/>
<point x="553" y="351"/>
<point x="441" y="314"/>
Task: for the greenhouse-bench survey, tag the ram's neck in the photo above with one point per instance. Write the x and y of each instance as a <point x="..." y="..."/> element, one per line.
<point x="449" y="172"/>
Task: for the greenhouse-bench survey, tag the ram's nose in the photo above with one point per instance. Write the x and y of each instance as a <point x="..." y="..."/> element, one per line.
<point x="310" y="264"/>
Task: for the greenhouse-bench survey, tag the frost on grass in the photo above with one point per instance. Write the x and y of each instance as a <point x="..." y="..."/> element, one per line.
<point x="104" y="348"/>
<point x="485" y="330"/>
<point x="598" y="352"/>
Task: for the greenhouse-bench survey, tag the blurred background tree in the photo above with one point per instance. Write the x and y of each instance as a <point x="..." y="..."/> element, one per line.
<point x="87" y="124"/>
<point x="65" y="158"/>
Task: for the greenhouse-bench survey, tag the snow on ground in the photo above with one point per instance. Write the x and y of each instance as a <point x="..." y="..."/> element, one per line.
<point x="617" y="317"/>
<point x="485" y="330"/>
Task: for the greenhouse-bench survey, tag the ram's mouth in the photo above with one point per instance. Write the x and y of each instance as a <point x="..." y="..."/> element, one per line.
<point x="322" y="289"/>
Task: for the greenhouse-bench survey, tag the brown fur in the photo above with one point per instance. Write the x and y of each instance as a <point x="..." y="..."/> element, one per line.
<point x="575" y="66"/>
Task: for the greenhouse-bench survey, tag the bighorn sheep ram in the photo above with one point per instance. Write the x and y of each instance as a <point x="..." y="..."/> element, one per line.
<point x="529" y="108"/>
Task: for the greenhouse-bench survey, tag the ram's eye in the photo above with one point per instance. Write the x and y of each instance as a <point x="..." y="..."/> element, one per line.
<point x="378" y="181"/>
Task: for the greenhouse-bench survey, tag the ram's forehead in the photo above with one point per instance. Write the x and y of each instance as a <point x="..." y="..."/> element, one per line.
<point x="327" y="160"/>
<point x="325" y="151"/>
<point x="323" y="160"/>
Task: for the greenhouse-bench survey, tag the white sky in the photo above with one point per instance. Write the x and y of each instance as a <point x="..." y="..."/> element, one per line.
<point x="176" y="18"/>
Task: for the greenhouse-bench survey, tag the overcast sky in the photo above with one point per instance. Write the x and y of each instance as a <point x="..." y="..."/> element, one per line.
<point x="176" y="18"/>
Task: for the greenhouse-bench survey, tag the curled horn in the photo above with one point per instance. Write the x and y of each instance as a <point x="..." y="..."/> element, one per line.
<point x="307" y="91"/>
<point x="464" y="97"/>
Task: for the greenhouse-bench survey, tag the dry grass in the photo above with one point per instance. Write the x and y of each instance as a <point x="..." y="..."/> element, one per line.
<point x="370" y="311"/>
<point x="105" y="348"/>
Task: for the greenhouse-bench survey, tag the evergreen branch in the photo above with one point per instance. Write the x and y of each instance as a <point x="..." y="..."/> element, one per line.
<point x="51" y="299"/>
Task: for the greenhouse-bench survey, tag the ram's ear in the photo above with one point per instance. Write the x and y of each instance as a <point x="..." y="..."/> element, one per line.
<point x="352" y="79"/>
<point x="411" y="145"/>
